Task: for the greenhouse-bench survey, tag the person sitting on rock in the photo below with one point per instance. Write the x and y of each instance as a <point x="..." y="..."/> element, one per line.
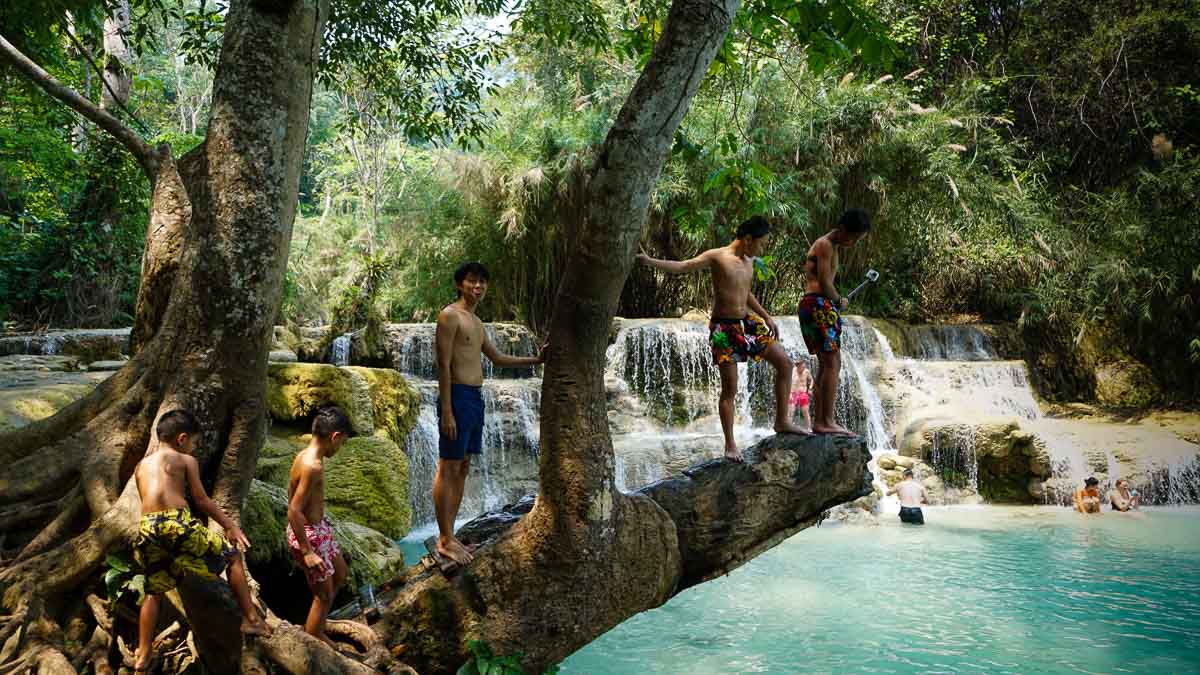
<point x="1122" y="498"/>
<point x="912" y="496"/>
<point x="172" y="543"/>
<point x="820" y="313"/>
<point x="740" y="329"/>
<point x="1087" y="498"/>
<point x="459" y="340"/>
<point x="317" y="552"/>
<point x="802" y="382"/>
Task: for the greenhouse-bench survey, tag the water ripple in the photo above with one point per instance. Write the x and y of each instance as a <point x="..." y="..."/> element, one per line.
<point x="992" y="590"/>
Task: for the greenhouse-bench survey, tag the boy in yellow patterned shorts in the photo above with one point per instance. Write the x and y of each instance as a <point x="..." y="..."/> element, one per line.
<point x="171" y="542"/>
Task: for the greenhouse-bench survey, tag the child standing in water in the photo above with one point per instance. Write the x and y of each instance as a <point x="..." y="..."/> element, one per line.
<point x="802" y="382"/>
<point x="171" y="542"/>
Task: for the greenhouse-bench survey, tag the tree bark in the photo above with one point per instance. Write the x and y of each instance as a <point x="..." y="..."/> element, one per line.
<point x="216" y="250"/>
<point x="720" y="514"/>
<point x="587" y="557"/>
<point x="117" y="78"/>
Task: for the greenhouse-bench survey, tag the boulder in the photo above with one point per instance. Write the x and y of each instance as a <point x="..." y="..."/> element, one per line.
<point x="22" y="405"/>
<point x="105" y="366"/>
<point x="282" y="356"/>
<point x="375" y="399"/>
<point x="1126" y="383"/>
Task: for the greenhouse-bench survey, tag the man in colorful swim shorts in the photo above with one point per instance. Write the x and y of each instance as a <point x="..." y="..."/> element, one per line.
<point x="317" y="551"/>
<point x="820" y="313"/>
<point x="172" y="543"/>
<point x="740" y="329"/>
<point x="459" y="341"/>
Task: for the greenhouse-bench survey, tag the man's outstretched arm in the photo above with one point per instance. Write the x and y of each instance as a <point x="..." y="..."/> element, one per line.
<point x="700" y="262"/>
<point x="506" y="361"/>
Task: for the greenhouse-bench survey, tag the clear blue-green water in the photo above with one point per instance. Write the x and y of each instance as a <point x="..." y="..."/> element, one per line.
<point x="983" y="589"/>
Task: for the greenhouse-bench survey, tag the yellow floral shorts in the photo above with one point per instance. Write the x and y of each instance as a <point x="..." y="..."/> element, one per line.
<point x="172" y="544"/>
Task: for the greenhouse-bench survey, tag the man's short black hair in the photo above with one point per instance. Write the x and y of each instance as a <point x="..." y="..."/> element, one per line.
<point x="755" y="226"/>
<point x="470" y="268"/>
<point x="1091" y="481"/>
<point x="331" y="419"/>
<point x="176" y="422"/>
<point x="908" y="473"/>
<point x="855" y="221"/>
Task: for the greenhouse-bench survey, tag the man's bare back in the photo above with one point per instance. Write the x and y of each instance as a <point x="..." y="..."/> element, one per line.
<point x="162" y="478"/>
<point x="466" y="364"/>
<point x="309" y="466"/>
<point x="911" y="493"/>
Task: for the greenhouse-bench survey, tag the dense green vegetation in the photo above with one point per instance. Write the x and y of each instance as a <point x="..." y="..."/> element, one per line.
<point x="1024" y="161"/>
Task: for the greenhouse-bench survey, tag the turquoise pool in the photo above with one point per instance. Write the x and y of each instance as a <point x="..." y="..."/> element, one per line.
<point x="980" y="589"/>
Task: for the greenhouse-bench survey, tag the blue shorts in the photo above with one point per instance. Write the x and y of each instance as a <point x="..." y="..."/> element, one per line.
<point x="467" y="403"/>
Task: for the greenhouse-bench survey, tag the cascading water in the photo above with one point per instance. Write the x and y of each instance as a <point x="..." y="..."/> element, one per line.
<point x="339" y="350"/>
<point x="663" y="390"/>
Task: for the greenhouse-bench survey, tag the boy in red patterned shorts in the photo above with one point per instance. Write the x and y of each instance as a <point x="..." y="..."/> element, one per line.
<point x="740" y="329"/>
<point x="317" y="551"/>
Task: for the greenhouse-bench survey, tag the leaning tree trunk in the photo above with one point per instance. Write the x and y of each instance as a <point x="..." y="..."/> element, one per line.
<point x="216" y="248"/>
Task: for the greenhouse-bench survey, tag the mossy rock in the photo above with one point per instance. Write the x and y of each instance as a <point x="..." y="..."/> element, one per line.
<point x="395" y="403"/>
<point x="296" y="390"/>
<point x="23" y="406"/>
<point x="1126" y="383"/>
<point x="366" y="482"/>
<point x="374" y="398"/>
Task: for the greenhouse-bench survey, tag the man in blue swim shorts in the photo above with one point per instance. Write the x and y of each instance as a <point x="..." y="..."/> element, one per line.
<point x="459" y="342"/>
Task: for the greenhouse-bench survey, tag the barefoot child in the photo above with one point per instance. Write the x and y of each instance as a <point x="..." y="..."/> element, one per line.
<point x="171" y="542"/>
<point x="317" y="552"/>
<point x="802" y="382"/>
<point x="740" y="329"/>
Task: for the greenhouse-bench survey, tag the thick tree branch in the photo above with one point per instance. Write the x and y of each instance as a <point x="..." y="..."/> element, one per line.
<point x="145" y="155"/>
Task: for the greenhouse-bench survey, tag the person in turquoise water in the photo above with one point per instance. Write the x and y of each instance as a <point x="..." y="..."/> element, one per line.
<point x="740" y="329"/>
<point x="1087" y="498"/>
<point x="1122" y="498"/>
<point x="820" y="314"/>
<point x="912" y="495"/>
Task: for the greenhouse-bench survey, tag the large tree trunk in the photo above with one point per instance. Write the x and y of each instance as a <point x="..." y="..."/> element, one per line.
<point x="587" y="556"/>
<point x="220" y="230"/>
<point x="715" y="517"/>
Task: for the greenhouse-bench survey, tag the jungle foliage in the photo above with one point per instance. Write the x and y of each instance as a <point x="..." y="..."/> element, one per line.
<point x="1023" y="161"/>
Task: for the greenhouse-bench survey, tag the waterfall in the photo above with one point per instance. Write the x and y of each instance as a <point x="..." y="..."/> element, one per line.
<point x="339" y="350"/>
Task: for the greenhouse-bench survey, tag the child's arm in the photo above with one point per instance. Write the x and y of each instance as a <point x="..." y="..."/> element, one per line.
<point x="210" y="507"/>
<point x="297" y="519"/>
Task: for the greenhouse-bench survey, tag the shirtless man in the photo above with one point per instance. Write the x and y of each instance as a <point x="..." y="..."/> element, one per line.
<point x="740" y="329"/>
<point x="459" y="340"/>
<point x="317" y="551"/>
<point x="1122" y="499"/>
<point x="171" y="542"/>
<point x="820" y="315"/>
<point x="1087" y="498"/>
<point x="912" y="496"/>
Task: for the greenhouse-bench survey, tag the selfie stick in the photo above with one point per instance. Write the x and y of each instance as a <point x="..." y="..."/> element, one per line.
<point x="872" y="276"/>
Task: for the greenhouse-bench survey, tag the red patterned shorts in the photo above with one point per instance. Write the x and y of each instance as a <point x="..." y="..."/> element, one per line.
<point x="321" y="541"/>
